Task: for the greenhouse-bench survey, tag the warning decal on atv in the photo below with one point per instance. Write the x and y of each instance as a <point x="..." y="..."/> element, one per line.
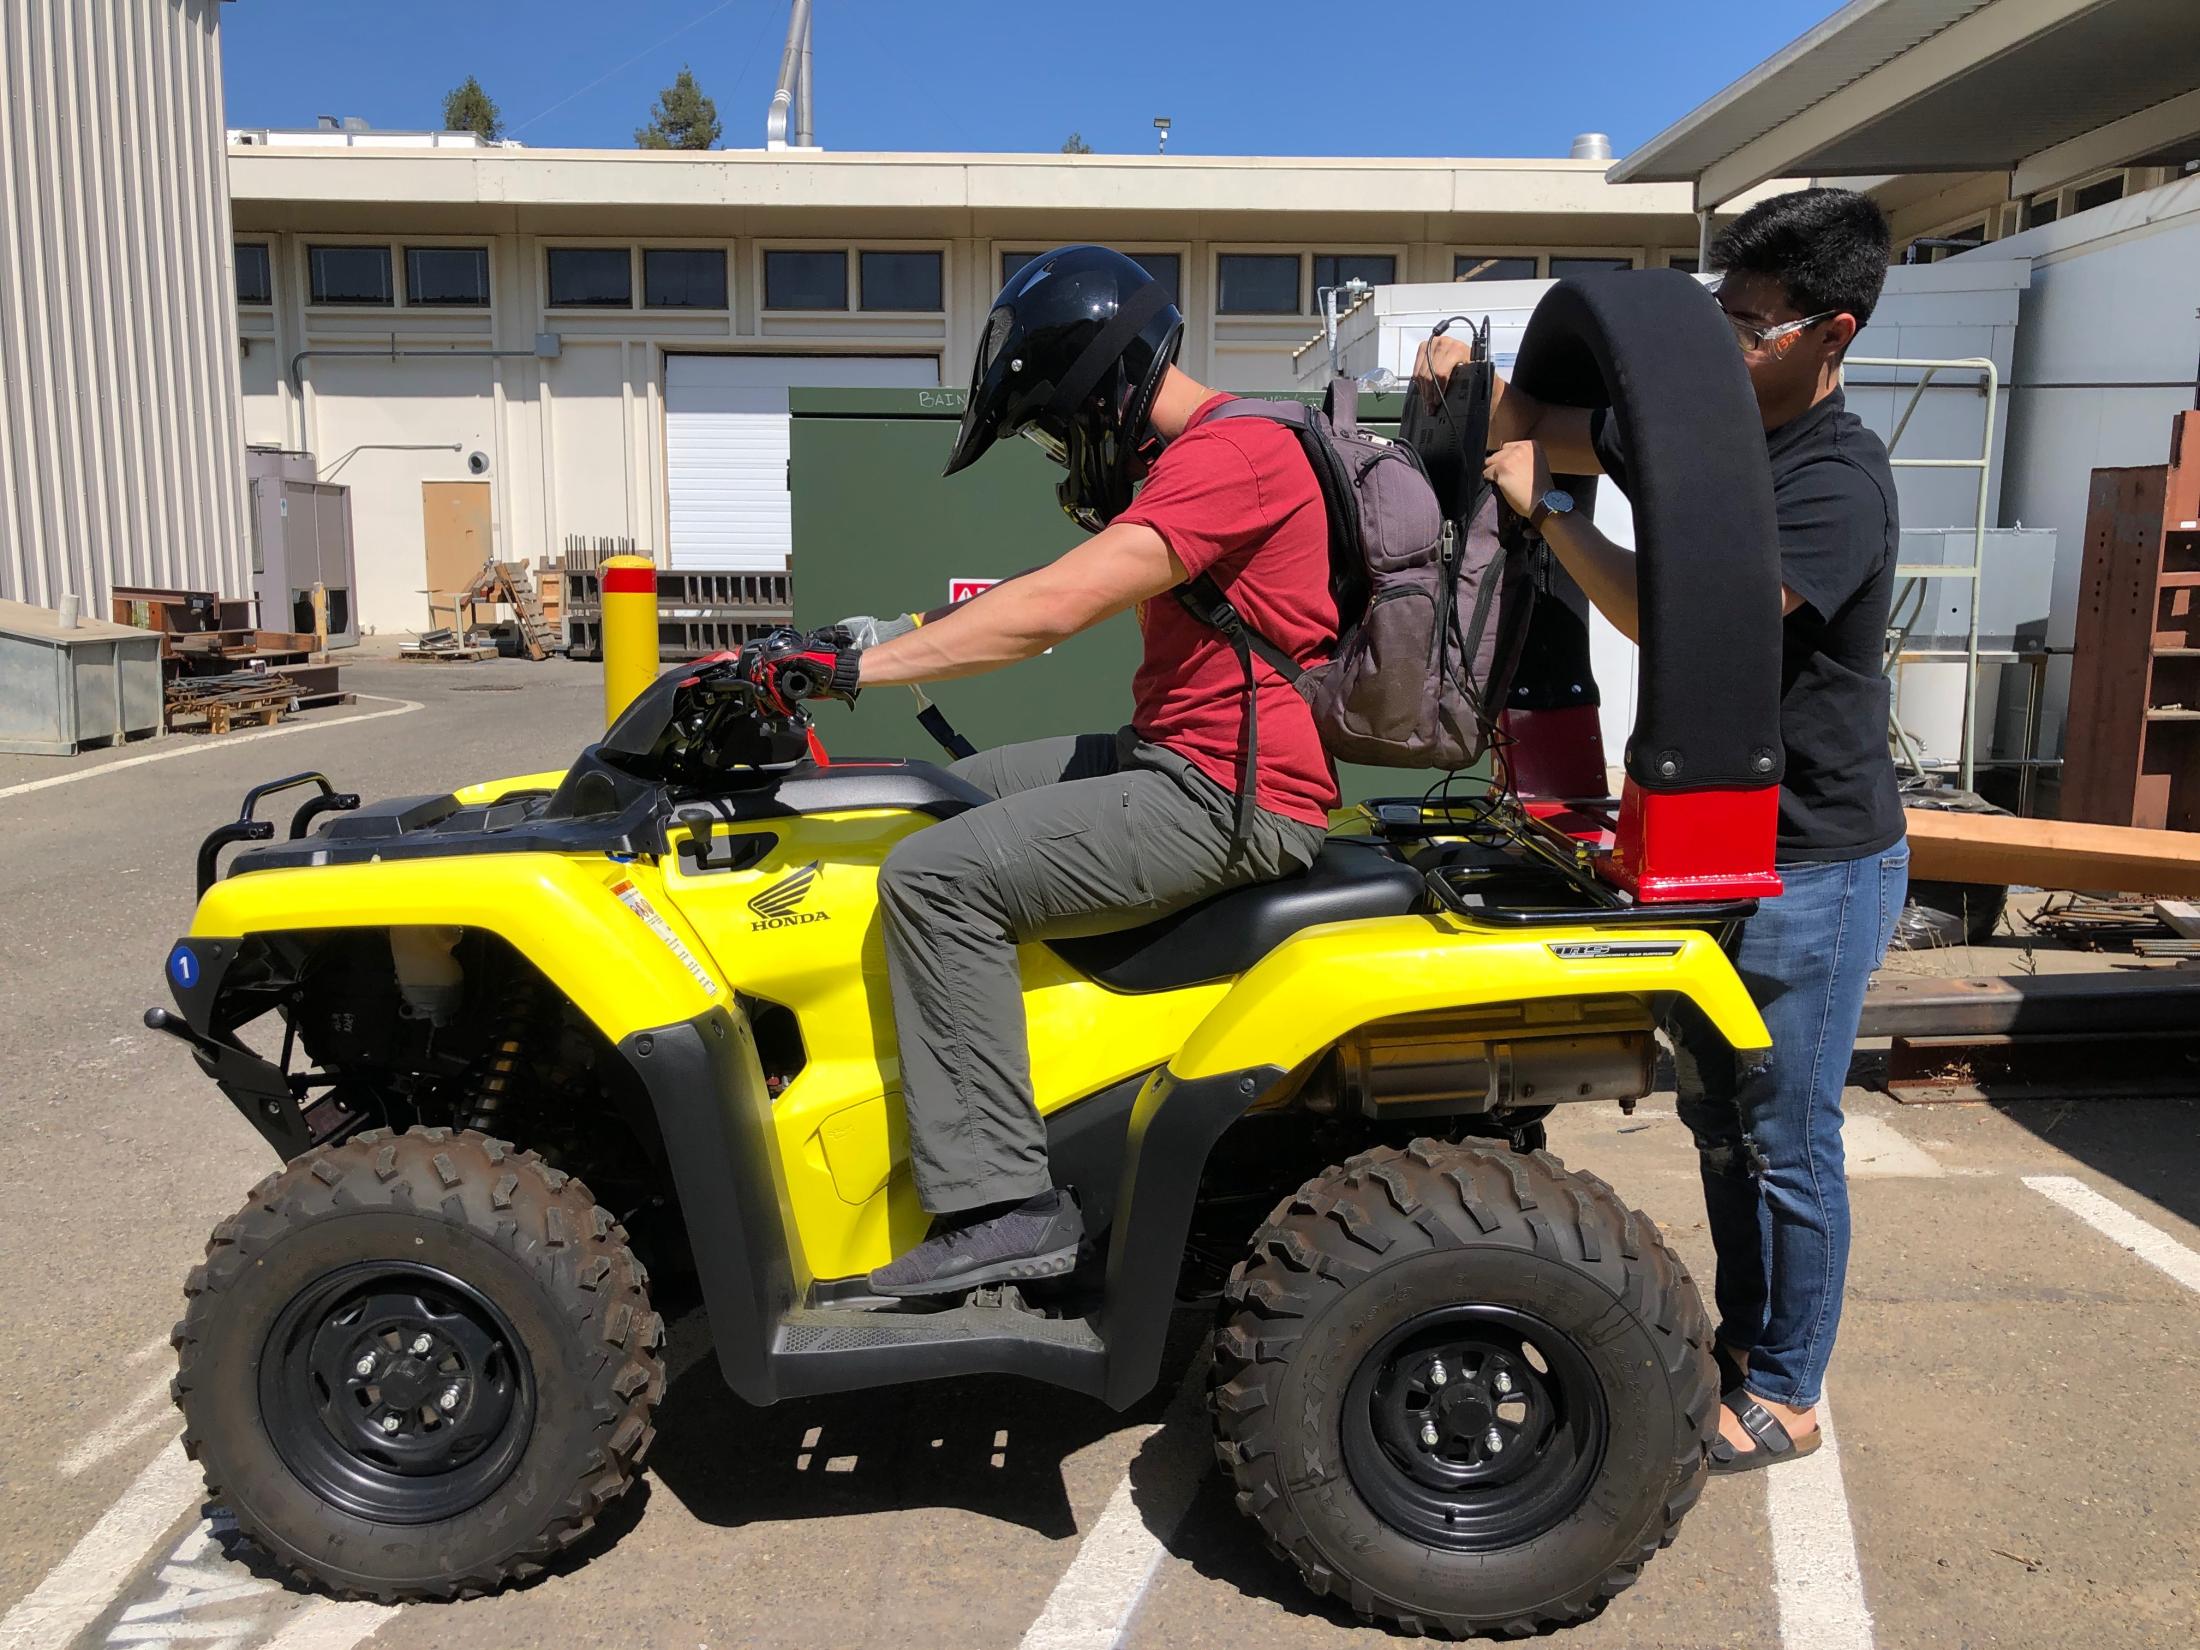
<point x="633" y="899"/>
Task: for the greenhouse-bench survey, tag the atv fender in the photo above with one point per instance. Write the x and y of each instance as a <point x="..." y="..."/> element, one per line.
<point x="1296" y="1003"/>
<point x="626" y="960"/>
<point x="1324" y="982"/>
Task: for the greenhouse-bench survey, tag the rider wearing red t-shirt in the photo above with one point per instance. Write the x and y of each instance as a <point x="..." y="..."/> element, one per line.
<point x="1095" y="831"/>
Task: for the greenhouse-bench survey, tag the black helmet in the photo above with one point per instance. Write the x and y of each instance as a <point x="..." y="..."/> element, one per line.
<point x="1073" y="354"/>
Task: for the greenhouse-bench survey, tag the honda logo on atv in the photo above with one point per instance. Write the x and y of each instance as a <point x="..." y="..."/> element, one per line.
<point x="779" y="905"/>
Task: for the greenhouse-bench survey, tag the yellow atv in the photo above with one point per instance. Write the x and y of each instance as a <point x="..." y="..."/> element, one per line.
<point x="508" y="1041"/>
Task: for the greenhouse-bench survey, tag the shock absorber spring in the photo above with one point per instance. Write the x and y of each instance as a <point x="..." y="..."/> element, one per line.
<point x="500" y="1066"/>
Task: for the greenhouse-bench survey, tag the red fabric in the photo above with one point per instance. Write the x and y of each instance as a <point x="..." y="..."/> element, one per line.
<point x="1238" y="500"/>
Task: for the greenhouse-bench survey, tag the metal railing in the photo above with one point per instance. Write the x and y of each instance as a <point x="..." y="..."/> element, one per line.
<point x="1967" y="755"/>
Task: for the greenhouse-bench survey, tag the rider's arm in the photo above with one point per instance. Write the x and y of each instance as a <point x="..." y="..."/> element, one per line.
<point x="1021" y="618"/>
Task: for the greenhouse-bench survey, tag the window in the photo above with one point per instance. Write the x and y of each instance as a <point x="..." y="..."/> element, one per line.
<point x="1563" y="267"/>
<point x="683" y="277"/>
<point x="1259" y="283"/>
<point x="255" y="283"/>
<point x="2041" y="211"/>
<point x="1165" y="267"/>
<point x="349" y="274"/>
<point x="1492" y="266"/>
<point x="805" y="280"/>
<point x="1970" y="235"/>
<point x="2097" y="194"/>
<point x="1687" y="263"/>
<point x="591" y="277"/>
<point x="1336" y="268"/>
<point x="900" y="280"/>
<point x="453" y="275"/>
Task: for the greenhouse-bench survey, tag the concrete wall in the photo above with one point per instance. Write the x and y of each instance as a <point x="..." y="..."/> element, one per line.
<point x="120" y="452"/>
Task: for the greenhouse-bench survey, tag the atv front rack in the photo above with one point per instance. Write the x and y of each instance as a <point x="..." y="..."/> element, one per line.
<point x="244" y="828"/>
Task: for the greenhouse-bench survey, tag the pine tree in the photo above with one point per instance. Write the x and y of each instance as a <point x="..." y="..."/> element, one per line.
<point x="682" y="119"/>
<point x="468" y="108"/>
<point x="1075" y="144"/>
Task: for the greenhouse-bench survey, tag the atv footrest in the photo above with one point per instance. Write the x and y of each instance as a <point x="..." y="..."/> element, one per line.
<point x="835" y="1348"/>
<point x="845" y="1329"/>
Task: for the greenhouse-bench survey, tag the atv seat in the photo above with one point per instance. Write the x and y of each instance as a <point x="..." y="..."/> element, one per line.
<point x="1226" y="935"/>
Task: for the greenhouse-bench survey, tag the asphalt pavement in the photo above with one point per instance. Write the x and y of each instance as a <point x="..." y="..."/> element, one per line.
<point x="2011" y="1462"/>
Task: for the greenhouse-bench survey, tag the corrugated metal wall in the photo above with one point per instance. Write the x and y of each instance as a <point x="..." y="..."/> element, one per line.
<point x="121" y="440"/>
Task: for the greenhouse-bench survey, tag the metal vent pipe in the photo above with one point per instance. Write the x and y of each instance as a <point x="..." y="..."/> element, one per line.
<point x="1592" y="146"/>
<point x="792" y="94"/>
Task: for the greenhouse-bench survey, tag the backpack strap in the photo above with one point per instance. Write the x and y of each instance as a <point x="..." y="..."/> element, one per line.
<point x="1203" y="599"/>
<point x="1341" y="405"/>
<point x="1347" y="546"/>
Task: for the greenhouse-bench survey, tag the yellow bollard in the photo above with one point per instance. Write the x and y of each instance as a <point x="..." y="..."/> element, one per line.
<point x="629" y="631"/>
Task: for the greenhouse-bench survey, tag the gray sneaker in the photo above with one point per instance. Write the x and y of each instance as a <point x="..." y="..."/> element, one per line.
<point x="1037" y="1238"/>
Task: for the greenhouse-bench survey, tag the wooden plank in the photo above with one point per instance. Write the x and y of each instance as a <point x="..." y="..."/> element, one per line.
<point x="2181" y="916"/>
<point x="2051" y="853"/>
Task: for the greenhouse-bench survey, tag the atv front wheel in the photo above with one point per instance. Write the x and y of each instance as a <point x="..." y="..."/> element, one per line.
<point x="417" y="1365"/>
<point x="1464" y="1390"/>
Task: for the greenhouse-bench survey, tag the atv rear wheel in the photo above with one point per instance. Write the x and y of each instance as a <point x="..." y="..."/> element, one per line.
<point x="1464" y="1390"/>
<point x="417" y="1365"/>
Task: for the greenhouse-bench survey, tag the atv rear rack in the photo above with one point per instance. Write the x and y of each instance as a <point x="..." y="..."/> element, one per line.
<point x="1444" y="887"/>
<point x="244" y="828"/>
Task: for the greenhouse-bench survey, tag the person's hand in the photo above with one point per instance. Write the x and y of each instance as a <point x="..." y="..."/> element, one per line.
<point x="865" y="631"/>
<point x="1519" y="473"/>
<point x="786" y="669"/>
<point x="1434" y="363"/>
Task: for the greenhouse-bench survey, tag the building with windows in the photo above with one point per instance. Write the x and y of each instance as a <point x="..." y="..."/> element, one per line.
<point x="601" y="343"/>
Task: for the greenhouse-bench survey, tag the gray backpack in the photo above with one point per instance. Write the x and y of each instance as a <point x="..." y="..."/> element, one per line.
<point x="1431" y="606"/>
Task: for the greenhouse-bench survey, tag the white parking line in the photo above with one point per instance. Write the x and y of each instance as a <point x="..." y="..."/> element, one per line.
<point x="327" y="1625"/>
<point x="148" y="1412"/>
<point x="227" y="742"/>
<point x="1092" y="1605"/>
<point x="1816" y="1577"/>
<point x="2152" y="1245"/>
<point x="83" y="1584"/>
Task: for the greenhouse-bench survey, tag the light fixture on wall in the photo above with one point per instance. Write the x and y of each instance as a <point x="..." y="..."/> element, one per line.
<point x="1161" y="125"/>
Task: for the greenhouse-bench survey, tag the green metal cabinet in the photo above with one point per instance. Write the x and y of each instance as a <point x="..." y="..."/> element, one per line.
<point x="877" y="529"/>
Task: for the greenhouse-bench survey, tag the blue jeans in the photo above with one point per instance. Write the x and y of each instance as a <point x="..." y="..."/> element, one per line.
<point x="1769" y="1142"/>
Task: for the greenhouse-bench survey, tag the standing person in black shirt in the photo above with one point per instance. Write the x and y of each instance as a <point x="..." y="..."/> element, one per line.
<point x="1800" y="275"/>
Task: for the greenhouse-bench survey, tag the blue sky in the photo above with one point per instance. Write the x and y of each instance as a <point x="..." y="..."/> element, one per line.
<point x="1266" y="77"/>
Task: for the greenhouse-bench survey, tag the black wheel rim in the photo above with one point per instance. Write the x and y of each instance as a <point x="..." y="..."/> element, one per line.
<point x="396" y="1392"/>
<point x="1474" y="1428"/>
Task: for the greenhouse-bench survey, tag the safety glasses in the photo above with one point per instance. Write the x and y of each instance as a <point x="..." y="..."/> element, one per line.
<point x="1776" y="338"/>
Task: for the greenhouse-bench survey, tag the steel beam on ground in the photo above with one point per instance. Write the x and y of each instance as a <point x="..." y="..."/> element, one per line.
<point x="2035" y="1005"/>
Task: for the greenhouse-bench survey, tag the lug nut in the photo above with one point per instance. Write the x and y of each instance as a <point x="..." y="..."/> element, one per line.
<point x="1502" y="1381"/>
<point x="1428" y="1435"/>
<point x="449" y="1400"/>
<point x="421" y="1343"/>
<point x="1495" y="1440"/>
<point x="1437" y="1374"/>
<point x="390" y="1423"/>
<point x="365" y="1366"/>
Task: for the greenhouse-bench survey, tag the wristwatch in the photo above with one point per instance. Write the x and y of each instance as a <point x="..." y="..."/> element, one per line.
<point x="1556" y="502"/>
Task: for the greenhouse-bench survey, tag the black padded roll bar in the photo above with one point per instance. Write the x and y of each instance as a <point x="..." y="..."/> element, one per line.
<point x="1651" y="345"/>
